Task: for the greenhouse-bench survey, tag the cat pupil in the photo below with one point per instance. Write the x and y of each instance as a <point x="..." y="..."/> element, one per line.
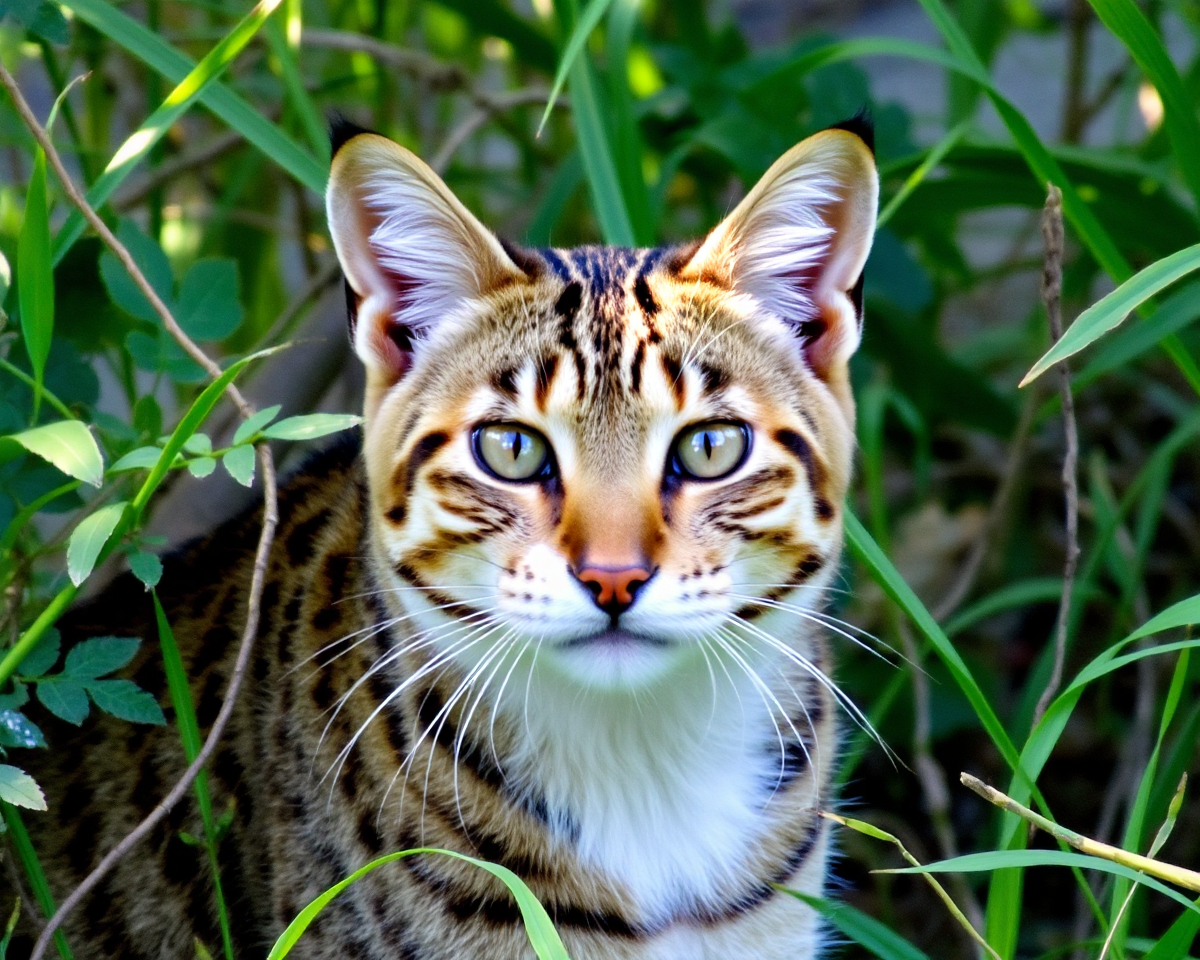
<point x="708" y="445"/>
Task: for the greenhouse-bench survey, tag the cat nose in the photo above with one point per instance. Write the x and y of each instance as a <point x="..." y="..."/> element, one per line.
<point x="613" y="589"/>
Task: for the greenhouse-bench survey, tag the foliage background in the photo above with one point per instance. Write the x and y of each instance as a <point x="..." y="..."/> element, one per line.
<point x="670" y="111"/>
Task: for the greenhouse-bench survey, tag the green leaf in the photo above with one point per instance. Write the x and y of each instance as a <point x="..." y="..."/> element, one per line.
<point x="864" y="930"/>
<point x="50" y="24"/>
<point x="159" y="353"/>
<point x="1177" y="311"/>
<point x="1110" y="311"/>
<point x="153" y="263"/>
<point x="65" y="699"/>
<point x="35" y="275"/>
<point x="199" y="444"/>
<point x="255" y="422"/>
<point x="195" y="82"/>
<point x="542" y="936"/>
<point x="16" y="730"/>
<point x="143" y="458"/>
<point x="69" y="445"/>
<point x="19" y="788"/>
<point x="201" y="467"/>
<point x="311" y="425"/>
<point x="1130" y="25"/>
<point x="126" y="701"/>
<point x="1003" y="859"/>
<point x="42" y="658"/>
<point x="100" y="655"/>
<point x="147" y="567"/>
<point x="240" y="463"/>
<point x="208" y="307"/>
<point x="89" y="538"/>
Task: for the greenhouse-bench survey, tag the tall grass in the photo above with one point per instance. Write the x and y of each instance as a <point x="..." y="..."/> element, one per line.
<point x="216" y="181"/>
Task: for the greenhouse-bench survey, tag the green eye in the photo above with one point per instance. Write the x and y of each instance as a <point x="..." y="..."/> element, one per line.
<point x="512" y="452"/>
<point x="709" y="451"/>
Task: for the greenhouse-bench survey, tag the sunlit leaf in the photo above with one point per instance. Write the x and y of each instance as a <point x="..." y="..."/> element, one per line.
<point x="311" y="426"/>
<point x="69" y="445"/>
<point x="89" y="538"/>
<point x="20" y="789"/>
<point x="1112" y="310"/>
<point x="254" y="423"/>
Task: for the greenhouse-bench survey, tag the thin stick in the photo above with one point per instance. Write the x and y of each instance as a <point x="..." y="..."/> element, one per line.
<point x="261" y="556"/>
<point x="1180" y="876"/>
<point x="113" y="244"/>
<point x="1052" y="233"/>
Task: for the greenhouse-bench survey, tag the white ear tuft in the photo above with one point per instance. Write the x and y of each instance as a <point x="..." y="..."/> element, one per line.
<point x="798" y="242"/>
<point x="412" y="254"/>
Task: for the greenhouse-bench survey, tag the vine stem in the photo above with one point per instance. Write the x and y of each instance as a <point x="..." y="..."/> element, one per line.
<point x="261" y="557"/>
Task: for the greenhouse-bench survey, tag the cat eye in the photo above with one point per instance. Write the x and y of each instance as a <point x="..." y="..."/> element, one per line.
<point x="509" y="451"/>
<point x="709" y="451"/>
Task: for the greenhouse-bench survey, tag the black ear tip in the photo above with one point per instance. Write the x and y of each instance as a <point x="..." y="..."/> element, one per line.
<point x="342" y="130"/>
<point x="862" y="125"/>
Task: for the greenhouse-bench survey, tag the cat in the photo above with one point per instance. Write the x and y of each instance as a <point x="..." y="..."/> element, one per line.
<point x="559" y="608"/>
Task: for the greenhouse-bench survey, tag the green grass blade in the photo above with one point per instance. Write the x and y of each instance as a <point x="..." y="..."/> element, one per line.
<point x="867" y="551"/>
<point x="866" y="931"/>
<point x="284" y="42"/>
<point x="1110" y="311"/>
<point x="575" y="44"/>
<point x="189" y="733"/>
<point x="35" y="277"/>
<point x="1132" y="28"/>
<point x="226" y="105"/>
<point x="38" y="885"/>
<point x="595" y="148"/>
<point x="1020" y="593"/>
<point x="937" y="153"/>
<point x="1132" y="839"/>
<point x="1175" y="943"/>
<point x="1176" y="312"/>
<point x="1047" y="170"/>
<point x="1004" y="859"/>
<point x="139" y="144"/>
<point x="542" y="936"/>
<point x="627" y="139"/>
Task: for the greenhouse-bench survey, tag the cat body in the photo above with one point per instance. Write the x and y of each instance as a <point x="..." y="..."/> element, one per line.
<point x="561" y="611"/>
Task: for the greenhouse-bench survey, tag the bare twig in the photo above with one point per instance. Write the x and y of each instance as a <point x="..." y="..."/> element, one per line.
<point x="261" y="557"/>
<point x="1052" y="232"/>
<point x="871" y="830"/>
<point x="1180" y="876"/>
<point x="416" y="63"/>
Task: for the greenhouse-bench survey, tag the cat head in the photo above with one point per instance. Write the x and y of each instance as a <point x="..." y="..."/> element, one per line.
<point x="620" y="457"/>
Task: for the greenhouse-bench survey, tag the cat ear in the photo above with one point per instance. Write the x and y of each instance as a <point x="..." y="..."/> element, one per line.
<point x="798" y="241"/>
<point x="412" y="254"/>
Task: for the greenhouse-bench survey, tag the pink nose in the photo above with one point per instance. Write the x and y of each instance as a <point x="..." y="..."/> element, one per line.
<point x="613" y="588"/>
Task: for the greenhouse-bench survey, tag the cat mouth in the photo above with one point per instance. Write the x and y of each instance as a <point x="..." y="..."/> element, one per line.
<point x="615" y="639"/>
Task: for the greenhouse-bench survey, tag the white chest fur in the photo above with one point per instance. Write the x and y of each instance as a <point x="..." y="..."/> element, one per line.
<point x="663" y="789"/>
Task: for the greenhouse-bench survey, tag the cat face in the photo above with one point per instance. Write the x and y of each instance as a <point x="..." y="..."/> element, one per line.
<point x="616" y="459"/>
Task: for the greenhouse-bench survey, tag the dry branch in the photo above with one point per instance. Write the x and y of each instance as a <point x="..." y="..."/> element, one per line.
<point x="261" y="556"/>
<point x="1052" y="233"/>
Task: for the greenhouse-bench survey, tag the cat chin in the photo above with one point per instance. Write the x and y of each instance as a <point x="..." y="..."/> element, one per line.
<point x="616" y="660"/>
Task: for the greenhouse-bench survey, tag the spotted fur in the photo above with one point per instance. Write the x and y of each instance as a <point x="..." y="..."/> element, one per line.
<point x="432" y="668"/>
